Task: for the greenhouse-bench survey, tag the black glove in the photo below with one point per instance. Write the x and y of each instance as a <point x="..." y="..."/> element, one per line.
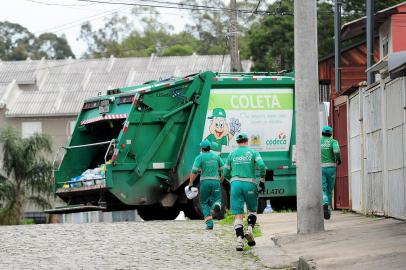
<point x="262" y="187"/>
<point x="339" y="162"/>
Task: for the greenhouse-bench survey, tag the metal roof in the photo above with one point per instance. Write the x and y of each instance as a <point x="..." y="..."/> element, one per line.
<point x="58" y="87"/>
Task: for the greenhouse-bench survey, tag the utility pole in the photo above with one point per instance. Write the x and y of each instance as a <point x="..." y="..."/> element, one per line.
<point x="337" y="44"/>
<point x="233" y="38"/>
<point x="370" y="40"/>
<point x="308" y="181"/>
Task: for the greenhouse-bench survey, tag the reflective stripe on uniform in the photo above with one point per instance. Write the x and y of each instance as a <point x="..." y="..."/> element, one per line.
<point x="251" y="180"/>
<point x="209" y="178"/>
<point x="324" y="165"/>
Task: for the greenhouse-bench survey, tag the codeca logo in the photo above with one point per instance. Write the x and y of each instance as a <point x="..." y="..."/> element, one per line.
<point x="279" y="140"/>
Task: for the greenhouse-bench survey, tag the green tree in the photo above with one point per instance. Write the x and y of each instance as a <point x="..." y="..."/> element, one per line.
<point x="120" y="38"/>
<point x="28" y="174"/>
<point x="51" y="46"/>
<point x="211" y="27"/>
<point x="353" y="9"/>
<point x="271" y="38"/>
<point x="18" y="43"/>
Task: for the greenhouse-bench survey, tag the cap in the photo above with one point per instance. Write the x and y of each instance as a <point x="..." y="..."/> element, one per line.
<point x="218" y="112"/>
<point x="327" y="130"/>
<point x="205" y="143"/>
<point x="241" y="136"/>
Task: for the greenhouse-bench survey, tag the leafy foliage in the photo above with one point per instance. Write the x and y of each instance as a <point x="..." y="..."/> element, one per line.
<point x="120" y="38"/>
<point x="18" y="43"/>
<point x="28" y="174"/>
<point x="205" y="34"/>
<point x="271" y="39"/>
<point x="353" y="9"/>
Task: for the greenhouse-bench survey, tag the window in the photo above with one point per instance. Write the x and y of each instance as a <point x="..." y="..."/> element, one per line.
<point x="385" y="46"/>
<point x="29" y="128"/>
<point x="324" y="91"/>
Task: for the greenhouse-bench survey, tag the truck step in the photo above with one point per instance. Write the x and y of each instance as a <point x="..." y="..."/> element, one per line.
<point x="75" y="208"/>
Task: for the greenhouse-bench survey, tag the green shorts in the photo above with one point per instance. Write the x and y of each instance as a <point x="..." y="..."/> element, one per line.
<point x="243" y="192"/>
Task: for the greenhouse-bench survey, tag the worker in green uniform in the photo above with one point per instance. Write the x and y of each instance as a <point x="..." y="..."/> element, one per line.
<point x="330" y="157"/>
<point x="240" y="168"/>
<point x="209" y="165"/>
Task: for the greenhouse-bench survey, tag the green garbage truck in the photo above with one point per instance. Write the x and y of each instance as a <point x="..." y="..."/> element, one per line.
<point x="133" y="147"/>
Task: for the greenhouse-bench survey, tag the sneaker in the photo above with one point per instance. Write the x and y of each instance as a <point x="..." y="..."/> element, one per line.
<point x="209" y="224"/>
<point x="326" y="211"/>
<point x="240" y="244"/>
<point x="250" y="237"/>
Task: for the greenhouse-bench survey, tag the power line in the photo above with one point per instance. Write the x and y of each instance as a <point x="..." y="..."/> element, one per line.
<point x="77" y="22"/>
<point x="180" y="6"/>
<point x="59" y="5"/>
<point x="147" y="5"/>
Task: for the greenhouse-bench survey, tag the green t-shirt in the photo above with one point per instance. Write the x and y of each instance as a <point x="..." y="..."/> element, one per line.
<point x="330" y="150"/>
<point x="241" y="163"/>
<point x="208" y="164"/>
<point x="216" y="144"/>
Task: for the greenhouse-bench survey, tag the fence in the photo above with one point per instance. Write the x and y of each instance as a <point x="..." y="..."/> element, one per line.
<point x="377" y="149"/>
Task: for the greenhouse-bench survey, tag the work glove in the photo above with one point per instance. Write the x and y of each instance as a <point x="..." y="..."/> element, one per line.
<point x="262" y="187"/>
<point x="235" y="126"/>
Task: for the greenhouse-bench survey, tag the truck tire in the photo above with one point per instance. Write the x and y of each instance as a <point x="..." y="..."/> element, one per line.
<point x="158" y="213"/>
<point x="193" y="210"/>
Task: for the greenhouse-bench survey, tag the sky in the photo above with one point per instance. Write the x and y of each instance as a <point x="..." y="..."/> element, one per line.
<point x="66" y="17"/>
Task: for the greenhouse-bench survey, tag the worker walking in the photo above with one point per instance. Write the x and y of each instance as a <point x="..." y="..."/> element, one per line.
<point x="209" y="165"/>
<point x="330" y="157"/>
<point x="240" y="169"/>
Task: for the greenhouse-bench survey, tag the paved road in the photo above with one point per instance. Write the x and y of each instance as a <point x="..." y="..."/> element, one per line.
<point x="124" y="245"/>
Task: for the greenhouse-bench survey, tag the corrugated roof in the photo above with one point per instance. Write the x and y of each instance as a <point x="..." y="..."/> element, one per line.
<point x="60" y="86"/>
<point x="3" y="88"/>
<point x="21" y="71"/>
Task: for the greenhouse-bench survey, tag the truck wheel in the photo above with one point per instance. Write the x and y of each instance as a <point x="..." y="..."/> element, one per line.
<point x="158" y="213"/>
<point x="193" y="210"/>
<point x="225" y="205"/>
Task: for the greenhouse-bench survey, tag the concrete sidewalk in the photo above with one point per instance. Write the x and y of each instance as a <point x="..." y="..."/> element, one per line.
<point x="350" y="241"/>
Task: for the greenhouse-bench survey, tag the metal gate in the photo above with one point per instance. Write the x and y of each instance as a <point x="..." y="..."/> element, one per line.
<point x="356" y="158"/>
<point x="341" y="191"/>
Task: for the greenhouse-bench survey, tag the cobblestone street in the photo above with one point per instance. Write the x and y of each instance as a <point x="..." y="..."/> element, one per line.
<point x="124" y="245"/>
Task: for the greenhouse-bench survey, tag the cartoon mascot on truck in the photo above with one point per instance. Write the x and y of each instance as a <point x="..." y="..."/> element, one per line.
<point x="221" y="132"/>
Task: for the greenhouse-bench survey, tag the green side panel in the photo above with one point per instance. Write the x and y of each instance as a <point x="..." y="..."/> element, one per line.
<point x="281" y="186"/>
<point x="195" y="133"/>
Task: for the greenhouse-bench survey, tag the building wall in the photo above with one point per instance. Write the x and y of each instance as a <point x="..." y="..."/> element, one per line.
<point x="57" y="127"/>
<point x="59" y="130"/>
<point x="353" y="63"/>
<point x="398" y="29"/>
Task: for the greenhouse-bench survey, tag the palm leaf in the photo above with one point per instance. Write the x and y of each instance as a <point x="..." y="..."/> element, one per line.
<point x="28" y="173"/>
